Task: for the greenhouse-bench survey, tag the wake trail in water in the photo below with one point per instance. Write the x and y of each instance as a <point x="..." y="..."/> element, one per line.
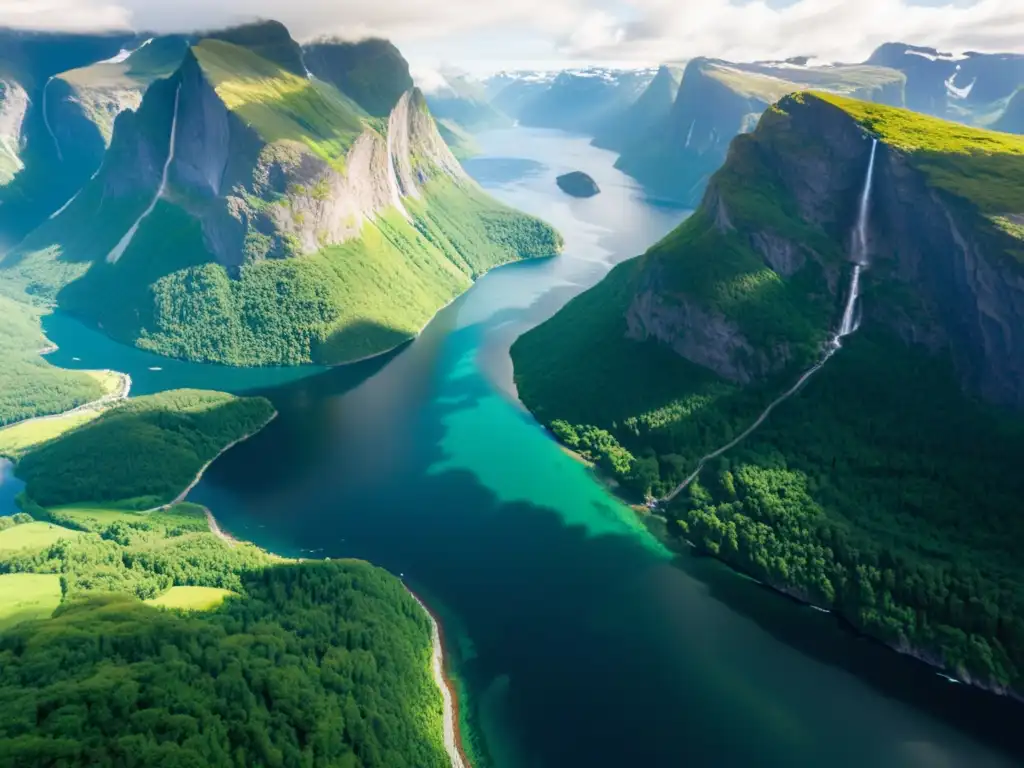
<point x="125" y="241"/>
<point x="847" y="325"/>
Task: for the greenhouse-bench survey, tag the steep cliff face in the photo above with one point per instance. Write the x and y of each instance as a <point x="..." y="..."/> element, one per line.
<point x="1012" y="118"/>
<point x="941" y="274"/>
<point x="652" y="107"/>
<point x="718" y="100"/>
<point x="877" y="478"/>
<point x="239" y="187"/>
<point x="39" y="176"/>
<point x="372" y="72"/>
<point x="958" y="87"/>
<point x="13" y="106"/>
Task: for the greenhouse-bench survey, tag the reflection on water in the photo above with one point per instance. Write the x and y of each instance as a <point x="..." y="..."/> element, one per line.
<point x="581" y="641"/>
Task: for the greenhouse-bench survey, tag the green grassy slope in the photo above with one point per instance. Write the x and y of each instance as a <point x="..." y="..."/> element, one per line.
<point x="881" y="490"/>
<point x="279" y="104"/>
<point x="150" y="449"/>
<point x="192" y="686"/>
<point x="345" y="301"/>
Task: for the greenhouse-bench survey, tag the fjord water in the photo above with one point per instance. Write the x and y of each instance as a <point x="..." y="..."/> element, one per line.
<point x="580" y="641"/>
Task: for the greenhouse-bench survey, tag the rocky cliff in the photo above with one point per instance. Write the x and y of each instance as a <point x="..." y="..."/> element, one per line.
<point x="872" y="475"/>
<point x="718" y="100"/>
<point x="944" y="270"/>
<point x="237" y="179"/>
<point x="1012" y="118"/>
<point x="633" y="124"/>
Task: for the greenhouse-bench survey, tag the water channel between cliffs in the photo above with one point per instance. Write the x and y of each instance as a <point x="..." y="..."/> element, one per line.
<point x="579" y="640"/>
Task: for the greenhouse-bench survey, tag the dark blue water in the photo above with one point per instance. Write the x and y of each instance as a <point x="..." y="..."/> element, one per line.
<point x="580" y="641"/>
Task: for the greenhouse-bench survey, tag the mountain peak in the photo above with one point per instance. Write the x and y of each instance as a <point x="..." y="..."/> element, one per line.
<point x="371" y="72"/>
<point x="269" y="39"/>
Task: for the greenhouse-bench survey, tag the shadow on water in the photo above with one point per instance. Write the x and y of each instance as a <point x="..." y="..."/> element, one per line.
<point x="592" y="645"/>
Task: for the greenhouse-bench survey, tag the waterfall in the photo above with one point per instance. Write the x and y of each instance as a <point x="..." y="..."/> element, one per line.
<point x="46" y="122"/>
<point x="860" y="245"/>
<point x="860" y="252"/>
<point x="847" y="326"/>
<point x="689" y="134"/>
<point x="125" y="241"/>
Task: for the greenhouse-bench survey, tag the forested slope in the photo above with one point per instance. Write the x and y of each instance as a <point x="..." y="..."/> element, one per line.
<point x="886" y="489"/>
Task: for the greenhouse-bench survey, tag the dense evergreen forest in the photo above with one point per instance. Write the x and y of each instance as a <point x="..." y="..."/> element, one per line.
<point x="29" y="386"/>
<point x="141" y="453"/>
<point x="319" y="664"/>
<point x="893" y="499"/>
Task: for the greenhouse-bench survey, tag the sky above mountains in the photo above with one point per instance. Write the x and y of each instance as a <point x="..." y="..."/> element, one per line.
<point x="486" y="36"/>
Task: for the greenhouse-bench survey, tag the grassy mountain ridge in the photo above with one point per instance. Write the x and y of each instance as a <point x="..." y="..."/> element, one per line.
<point x="854" y="493"/>
<point x="283" y="191"/>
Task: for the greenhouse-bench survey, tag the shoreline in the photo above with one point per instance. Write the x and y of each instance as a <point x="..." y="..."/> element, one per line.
<point x="451" y="732"/>
<point x="122" y="392"/>
<point x="451" y="723"/>
<point x="656" y="525"/>
<point x="202" y="470"/>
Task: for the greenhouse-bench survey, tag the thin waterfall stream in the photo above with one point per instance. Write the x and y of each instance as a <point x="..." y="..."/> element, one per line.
<point x="847" y="325"/>
<point x="125" y="241"/>
<point x="46" y="121"/>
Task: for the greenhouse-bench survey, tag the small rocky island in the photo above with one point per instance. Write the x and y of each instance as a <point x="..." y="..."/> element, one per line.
<point x="578" y="184"/>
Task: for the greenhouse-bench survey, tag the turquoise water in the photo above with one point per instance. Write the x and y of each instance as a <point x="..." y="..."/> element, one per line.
<point x="580" y="640"/>
<point x="82" y="347"/>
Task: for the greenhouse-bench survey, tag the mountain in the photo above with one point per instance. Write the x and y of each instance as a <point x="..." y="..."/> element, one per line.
<point x="1012" y="118"/>
<point x="372" y="72"/>
<point x="966" y="87"/>
<point x="859" y="490"/>
<point x="718" y="100"/>
<point x="579" y="100"/>
<point x="36" y="176"/>
<point x="649" y="110"/>
<point x="456" y="97"/>
<point x="240" y="187"/>
<point x="509" y="91"/>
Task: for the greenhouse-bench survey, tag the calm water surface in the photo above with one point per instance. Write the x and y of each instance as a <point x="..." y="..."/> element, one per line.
<point x="579" y="639"/>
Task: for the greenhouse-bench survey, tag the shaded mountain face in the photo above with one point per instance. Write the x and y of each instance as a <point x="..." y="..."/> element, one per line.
<point x="574" y="100"/>
<point x="235" y="165"/>
<point x="869" y="458"/>
<point x="1012" y="119"/>
<point x="649" y="110"/>
<point x="462" y="102"/>
<point x="962" y="88"/>
<point x="372" y="72"/>
<point x="35" y="176"/>
<point x="717" y="100"/>
<point x="270" y="40"/>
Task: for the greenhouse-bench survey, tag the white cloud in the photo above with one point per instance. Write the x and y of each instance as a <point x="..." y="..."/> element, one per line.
<point x="846" y="30"/>
<point x="641" y="31"/>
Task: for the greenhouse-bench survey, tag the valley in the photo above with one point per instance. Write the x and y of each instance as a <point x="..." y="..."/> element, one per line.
<point x="360" y="412"/>
<point x="486" y="530"/>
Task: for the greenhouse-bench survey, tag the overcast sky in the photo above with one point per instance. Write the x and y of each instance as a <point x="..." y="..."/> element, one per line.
<point x="486" y="35"/>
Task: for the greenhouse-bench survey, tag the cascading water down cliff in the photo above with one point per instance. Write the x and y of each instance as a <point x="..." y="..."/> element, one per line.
<point x="125" y="241"/>
<point x="847" y="325"/>
<point x="850" y="319"/>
